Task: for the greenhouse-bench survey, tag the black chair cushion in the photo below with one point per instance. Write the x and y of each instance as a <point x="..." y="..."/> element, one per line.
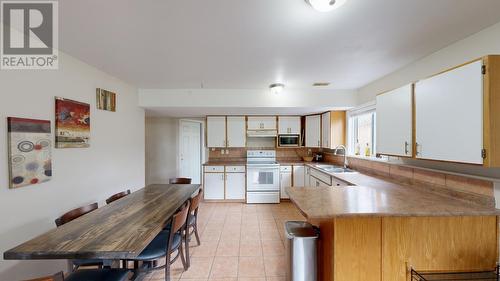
<point x="98" y="275"/>
<point x="191" y="219"/>
<point x="158" y="247"/>
<point x="87" y="262"/>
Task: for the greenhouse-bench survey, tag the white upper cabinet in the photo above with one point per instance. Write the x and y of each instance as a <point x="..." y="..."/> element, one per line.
<point x="326" y="130"/>
<point x="395" y="122"/>
<point x="449" y="115"/>
<point x="236" y="131"/>
<point x="289" y="125"/>
<point x="313" y="131"/>
<point x="216" y="131"/>
<point x="262" y="123"/>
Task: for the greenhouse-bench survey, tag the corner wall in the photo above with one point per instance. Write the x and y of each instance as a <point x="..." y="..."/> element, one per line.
<point x="114" y="162"/>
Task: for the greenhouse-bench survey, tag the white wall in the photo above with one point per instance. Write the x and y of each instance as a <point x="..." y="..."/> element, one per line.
<point x="162" y="146"/>
<point x="162" y="136"/>
<point x="113" y="163"/>
<point x="485" y="42"/>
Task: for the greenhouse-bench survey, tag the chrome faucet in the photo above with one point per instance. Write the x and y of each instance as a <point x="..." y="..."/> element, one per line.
<point x="345" y="154"/>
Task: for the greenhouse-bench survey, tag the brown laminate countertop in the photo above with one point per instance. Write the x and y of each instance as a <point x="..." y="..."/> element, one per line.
<point x="373" y="196"/>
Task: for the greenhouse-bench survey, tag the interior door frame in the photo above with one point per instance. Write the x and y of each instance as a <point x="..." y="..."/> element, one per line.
<point x="202" y="144"/>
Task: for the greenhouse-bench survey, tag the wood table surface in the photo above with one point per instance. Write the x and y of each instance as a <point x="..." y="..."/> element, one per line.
<point x="120" y="230"/>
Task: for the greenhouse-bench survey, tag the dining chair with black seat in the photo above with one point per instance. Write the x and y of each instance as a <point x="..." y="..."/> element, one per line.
<point x="69" y="216"/>
<point x="192" y="221"/>
<point x="167" y="242"/>
<point x="89" y="275"/>
<point x="117" y="196"/>
<point x="180" y="181"/>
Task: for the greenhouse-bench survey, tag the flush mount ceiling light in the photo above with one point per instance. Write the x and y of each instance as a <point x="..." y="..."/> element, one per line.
<point x="276" y="88"/>
<point x="325" y="5"/>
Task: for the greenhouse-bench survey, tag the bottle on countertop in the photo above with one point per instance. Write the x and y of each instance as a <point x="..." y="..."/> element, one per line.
<point x="368" y="153"/>
<point x="357" y="150"/>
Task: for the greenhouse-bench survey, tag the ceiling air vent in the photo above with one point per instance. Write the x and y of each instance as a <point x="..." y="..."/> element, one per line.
<point x="321" y="84"/>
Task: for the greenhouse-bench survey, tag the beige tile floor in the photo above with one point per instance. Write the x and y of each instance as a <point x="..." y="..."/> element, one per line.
<point x="239" y="242"/>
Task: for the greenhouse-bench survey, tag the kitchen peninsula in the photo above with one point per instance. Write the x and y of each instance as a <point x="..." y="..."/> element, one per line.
<point x="378" y="228"/>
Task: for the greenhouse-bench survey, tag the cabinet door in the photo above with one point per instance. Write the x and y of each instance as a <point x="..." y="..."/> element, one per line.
<point x="216" y="131"/>
<point x="262" y="123"/>
<point x="449" y="115"/>
<point x="298" y="176"/>
<point x="289" y="125"/>
<point x="285" y="181"/>
<point x="326" y="130"/>
<point x="313" y="131"/>
<point x="235" y="186"/>
<point x="236" y="131"/>
<point x="394" y="122"/>
<point x="214" y="186"/>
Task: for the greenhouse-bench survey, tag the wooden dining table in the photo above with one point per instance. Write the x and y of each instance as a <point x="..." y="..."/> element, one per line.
<point x="119" y="230"/>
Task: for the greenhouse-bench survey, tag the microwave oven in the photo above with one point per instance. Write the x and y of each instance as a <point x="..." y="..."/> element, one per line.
<point x="288" y="140"/>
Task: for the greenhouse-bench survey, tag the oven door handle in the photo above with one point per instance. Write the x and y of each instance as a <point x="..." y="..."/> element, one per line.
<point x="262" y="167"/>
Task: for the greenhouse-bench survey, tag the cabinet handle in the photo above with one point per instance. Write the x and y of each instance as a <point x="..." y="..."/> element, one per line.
<point x="406" y="148"/>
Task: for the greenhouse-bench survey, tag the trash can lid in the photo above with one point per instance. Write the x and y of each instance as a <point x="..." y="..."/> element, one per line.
<point x="300" y="229"/>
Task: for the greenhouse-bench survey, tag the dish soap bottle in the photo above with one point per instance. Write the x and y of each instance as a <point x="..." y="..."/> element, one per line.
<point x="367" y="150"/>
<point x="357" y="150"/>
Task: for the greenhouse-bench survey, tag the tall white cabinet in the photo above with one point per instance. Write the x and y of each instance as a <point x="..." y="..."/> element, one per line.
<point x="449" y="115"/>
<point x="395" y="122"/>
<point x="313" y="131"/>
<point x="216" y="131"/>
<point x="326" y="130"/>
<point x="236" y="131"/>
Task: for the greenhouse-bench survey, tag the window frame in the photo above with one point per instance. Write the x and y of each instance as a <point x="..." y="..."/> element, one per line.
<point x="369" y="108"/>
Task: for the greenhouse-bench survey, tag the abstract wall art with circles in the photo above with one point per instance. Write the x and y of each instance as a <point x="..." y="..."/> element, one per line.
<point x="30" y="148"/>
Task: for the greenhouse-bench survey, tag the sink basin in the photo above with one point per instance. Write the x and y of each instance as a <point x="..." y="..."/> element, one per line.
<point x="334" y="169"/>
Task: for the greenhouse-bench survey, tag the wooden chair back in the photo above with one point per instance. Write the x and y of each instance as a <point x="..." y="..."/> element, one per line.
<point x="179" y="219"/>
<point x="180" y="181"/>
<point x="56" y="277"/>
<point x="195" y="202"/>
<point x="75" y="213"/>
<point x="117" y="196"/>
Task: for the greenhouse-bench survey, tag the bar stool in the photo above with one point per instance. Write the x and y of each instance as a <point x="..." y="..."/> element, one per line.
<point x="88" y="274"/>
<point x="117" y="196"/>
<point x="180" y="181"/>
<point x="69" y="216"/>
<point x="164" y="245"/>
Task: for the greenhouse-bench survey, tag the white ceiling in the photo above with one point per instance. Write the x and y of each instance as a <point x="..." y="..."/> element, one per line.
<point x="238" y="44"/>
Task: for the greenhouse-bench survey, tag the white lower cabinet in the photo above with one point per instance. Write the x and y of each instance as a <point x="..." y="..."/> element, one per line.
<point x="285" y="180"/>
<point x="298" y="176"/>
<point x="235" y="186"/>
<point x="214" y="186"/>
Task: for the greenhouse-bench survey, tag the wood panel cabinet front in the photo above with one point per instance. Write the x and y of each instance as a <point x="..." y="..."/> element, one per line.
<point x="395" y="122"/>
<point x="449" y="115"/>
<point x="236" y="131"/>
<point x="216" y="131"/>
<point x="313" y="131"/>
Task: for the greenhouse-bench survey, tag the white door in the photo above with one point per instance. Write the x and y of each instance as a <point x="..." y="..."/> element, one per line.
<point x="449" y="115"/>
<point x="298" y="176"/>
<point x="285" y="181"/>
<point x="216" y="131"/>
<point x="313" y="131"/>
<point x="394" y="122"/>
<point x="289" y="125"/>
<point x="190" y="151"/>
<point x="236" y="131"/>
<point x="326" y="130"/>
<point x="235" y="186"/>
<point x="214" y="186"/>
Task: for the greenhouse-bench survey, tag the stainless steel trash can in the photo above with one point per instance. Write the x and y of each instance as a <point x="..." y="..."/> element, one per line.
<point x="301" y="251"/>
